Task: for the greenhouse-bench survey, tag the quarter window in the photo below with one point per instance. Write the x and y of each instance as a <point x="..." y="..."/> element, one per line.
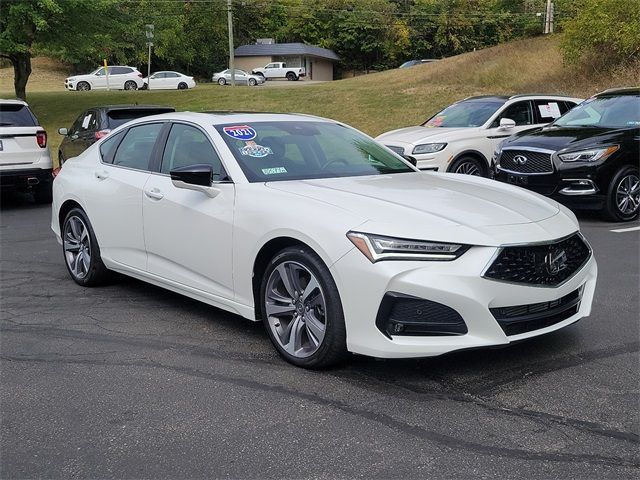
<point x="108" y="147"/>
<point x="187" y="145"/>
<point x="137" y="146"/>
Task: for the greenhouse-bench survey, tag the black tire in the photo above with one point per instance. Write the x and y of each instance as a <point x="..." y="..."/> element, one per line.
<point x="130" y="85"/>
<point x="467" y="165"/>
<point x="43" y="193"/>
<point x="333" y="347"/>
<point x="291" y="76"/>
<point x="222" y="81"/>
<point x="83" y="86"/>
<point x="252" y="82"/>
<point x="612" y="211"/>
<point x="96" y="273"/>
<point x="182" y="86"/>
<point x="261" y="74"/>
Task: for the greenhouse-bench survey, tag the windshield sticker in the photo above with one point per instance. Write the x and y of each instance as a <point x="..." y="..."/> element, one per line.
<point x="240" y="132"/>
<point x="252" y="149"/>
<point x="274" y="170"/>
<point x="436" y="122"/>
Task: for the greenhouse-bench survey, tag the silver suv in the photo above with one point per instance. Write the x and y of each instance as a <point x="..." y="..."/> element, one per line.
<point x="25" y="162"/>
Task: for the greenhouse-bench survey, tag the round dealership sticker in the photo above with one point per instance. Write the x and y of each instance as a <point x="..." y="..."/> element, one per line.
<point x="240" y="132"/>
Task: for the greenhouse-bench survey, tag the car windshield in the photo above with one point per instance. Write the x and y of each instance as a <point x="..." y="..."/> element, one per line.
<point x="276" y="151"/>
<point x="622" y="111"/>
<point x="464" y="114"/>
<point x="16" y="115"/>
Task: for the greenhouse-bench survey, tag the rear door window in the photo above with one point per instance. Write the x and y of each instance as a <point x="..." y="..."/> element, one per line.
<point x="135" y="149"/>
<point x="16" y="115"/>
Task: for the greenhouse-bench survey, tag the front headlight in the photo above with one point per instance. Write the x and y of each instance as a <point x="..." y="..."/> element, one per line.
<point x="378" y="247"/>
<point x="429" y="148"/>
<point x="588" y="155"/>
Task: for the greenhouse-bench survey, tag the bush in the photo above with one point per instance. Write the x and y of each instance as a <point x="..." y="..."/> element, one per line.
<point x="601" y="33"/>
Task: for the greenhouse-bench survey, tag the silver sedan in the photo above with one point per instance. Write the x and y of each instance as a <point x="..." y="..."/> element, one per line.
<point x="242" y="78"/>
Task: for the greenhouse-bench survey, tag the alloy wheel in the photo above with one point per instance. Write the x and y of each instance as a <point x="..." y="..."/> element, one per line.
<point x="628" y="194"/>
<point x="468" y="168"/>
<point x="296" y="309"/>
<point x="77" y="247"/>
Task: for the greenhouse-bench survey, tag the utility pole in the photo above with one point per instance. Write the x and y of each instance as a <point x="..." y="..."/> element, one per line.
<point x="231" y="59"/>
<point x="149" y="34"/>
<point x="548" y="17"/>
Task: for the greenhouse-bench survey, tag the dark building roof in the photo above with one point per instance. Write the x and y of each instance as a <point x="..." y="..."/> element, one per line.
<point x="284" y="49"/>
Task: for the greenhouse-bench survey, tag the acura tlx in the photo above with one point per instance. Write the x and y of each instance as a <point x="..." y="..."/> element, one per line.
<point x="332" y="240"/>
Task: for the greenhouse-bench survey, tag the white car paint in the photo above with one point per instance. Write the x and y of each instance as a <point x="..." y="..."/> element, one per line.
<point x="97" y="79"/>
<point x="279" y="70"/>
<point x="168" y="80"/>
<point x="479" y="141"/>
<point x="241" y="78"/>
<point x="204" y="246"/>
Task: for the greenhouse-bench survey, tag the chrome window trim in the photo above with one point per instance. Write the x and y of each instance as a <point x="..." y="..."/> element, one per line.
<point x="126" y="132"/>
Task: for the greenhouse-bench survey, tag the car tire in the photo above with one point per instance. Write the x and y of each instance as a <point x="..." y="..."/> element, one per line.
<point x="81" y="251"/>
<point x="252" y="82"/>
<point x="182" y="86"/>
<point x="130" y="85"/>
<point x="317" y="317"/>
<point x="467" y="165"/>
<point x="291" y="76"/>
<point x="222" y="81"/>
<point x="83" y="87"/>
<point x="43" y="193"/>
<point x="623" y="196"/>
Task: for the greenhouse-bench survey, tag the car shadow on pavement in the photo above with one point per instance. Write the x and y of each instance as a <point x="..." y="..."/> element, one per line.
<point x="17" y="200"/>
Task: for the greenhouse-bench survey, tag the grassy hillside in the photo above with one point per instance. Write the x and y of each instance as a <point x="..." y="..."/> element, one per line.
<point x="374" y="103"/>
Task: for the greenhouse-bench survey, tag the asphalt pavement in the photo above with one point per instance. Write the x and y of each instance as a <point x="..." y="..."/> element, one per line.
<point x="132" y="381"/>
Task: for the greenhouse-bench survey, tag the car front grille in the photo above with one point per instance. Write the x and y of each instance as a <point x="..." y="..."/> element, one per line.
<point x="526" y="161"/>
<point x="398" y="150"/>
<point x="527" y="318"/>
<point x="545" y="265"/>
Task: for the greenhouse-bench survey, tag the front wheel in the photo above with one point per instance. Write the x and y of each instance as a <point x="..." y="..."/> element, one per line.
<point x="468" y="166"/>
<point x="222" y="81"/>
<point x="301" y="309"/>
<point x="83" y="87"/>
<point x="81" y="250"/>
<point x="623" y="197"/>
<point x="130" y="85"/>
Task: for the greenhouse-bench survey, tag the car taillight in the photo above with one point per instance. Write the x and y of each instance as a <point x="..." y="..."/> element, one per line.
<point x="41" y="138"/>
<point x="140" y="75"/>
<point x="102" y="133"/>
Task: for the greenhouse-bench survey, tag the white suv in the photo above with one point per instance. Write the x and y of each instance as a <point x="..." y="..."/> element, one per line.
<point x="462" y="137"/>
<point x="119" y="78"/>
<point x="25" y="162"/>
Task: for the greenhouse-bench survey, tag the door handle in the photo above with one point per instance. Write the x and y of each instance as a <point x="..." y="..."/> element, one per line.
<point x="101" y="174"/>
<point x="154" y="194"/>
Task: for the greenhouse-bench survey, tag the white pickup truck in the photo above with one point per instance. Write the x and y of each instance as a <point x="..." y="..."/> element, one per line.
<point x="279" y="70"/>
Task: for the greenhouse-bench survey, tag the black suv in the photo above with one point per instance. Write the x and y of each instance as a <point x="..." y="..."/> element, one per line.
<point x="97" y="122"/>
<point x="587" y="158"/>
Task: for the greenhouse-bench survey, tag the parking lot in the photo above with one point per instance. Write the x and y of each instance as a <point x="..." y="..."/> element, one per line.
<point x="131" y="381"/>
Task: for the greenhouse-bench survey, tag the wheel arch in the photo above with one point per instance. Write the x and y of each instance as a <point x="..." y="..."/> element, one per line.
<point x="65" y="208"/>
<point x="471" y="153"/>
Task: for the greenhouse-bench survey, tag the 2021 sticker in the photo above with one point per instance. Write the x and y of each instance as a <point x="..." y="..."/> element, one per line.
<point x="240" y="132"/>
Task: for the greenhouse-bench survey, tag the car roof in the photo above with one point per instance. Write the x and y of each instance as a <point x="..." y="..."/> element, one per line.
<point x="520" y="96"/>
<point x="129" y="107"/>
<point x="226" y="117"/>
<point x="13" y="101"/>
<point x="620" y="91"/>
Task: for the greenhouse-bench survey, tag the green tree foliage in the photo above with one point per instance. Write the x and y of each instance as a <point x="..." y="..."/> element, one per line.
<point x="601" y="32"/>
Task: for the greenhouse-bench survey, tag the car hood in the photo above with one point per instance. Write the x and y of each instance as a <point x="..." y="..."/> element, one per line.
<point x="429" y="205"/>
<point x="559" y="138"/>
<point x="418" y="134"/>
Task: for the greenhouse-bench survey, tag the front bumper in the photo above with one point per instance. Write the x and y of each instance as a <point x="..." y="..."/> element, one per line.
<point x="458" y="285"/>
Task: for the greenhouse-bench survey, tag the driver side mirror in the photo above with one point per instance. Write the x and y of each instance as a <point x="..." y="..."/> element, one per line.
<point x="506" y="124"/>
<point x="198" y="177"/>
<point x="63" y="131"/>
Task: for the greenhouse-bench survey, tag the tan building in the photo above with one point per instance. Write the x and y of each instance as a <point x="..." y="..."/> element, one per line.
<point x="318" y="62"/>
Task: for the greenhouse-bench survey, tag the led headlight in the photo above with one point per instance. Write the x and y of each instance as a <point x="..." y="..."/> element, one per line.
<point x="429" y="148"/>
<point x="378" y="247"/>
<point x="591" y="155"/>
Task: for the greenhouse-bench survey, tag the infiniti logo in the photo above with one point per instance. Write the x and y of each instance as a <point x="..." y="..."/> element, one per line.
<point x="555" y="261"/>
<point x="520" y="159"/>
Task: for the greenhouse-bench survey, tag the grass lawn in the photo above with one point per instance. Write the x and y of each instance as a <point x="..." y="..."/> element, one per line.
<point x="373" y="103"/>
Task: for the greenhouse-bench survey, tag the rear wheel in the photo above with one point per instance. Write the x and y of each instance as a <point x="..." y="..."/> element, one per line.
<point x="468" y="166"/>
<point x="81" y="250"/>
<point x="83" y="87"/>
<point x="130" y="85"/>
<point x="301" y="309"/>
<point x="222" y="81"/>
<point x="623" y="197"/>
<point x="182" y="86"/>
<point x="43" y="193"/>
<point x="291" y="76"/>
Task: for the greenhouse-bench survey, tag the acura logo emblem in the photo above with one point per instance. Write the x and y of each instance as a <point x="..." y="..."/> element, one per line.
<point x="520" y="159"/>
<point x="555" y="261"/>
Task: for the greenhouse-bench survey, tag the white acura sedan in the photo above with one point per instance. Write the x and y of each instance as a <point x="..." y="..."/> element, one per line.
<point x="336" y="243"/>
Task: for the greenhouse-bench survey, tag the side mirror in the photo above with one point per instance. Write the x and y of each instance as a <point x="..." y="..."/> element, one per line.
<point x="506" y="124"/>
<point x="63" y="131"/>
<point x="198" y="177"/>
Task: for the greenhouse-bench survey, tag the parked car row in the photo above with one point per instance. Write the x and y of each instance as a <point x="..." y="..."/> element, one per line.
<point x="128" y="78"/>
